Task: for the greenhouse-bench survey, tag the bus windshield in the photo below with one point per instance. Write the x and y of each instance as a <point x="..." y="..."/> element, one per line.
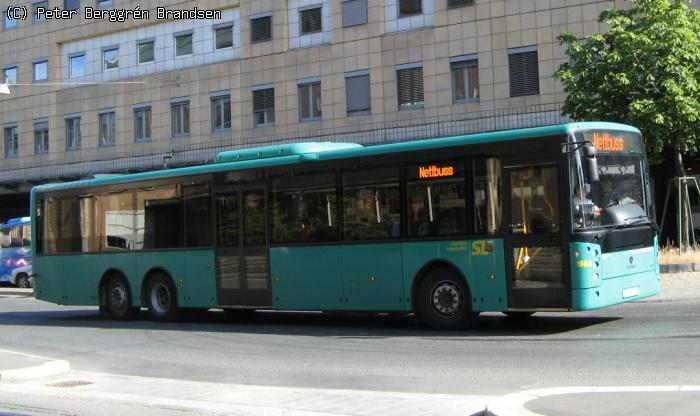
<point x="619" y="196"/>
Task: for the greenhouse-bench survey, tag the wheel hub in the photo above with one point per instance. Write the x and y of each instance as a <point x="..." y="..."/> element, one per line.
<point x="160" y="298"/>
<point x="117" y="298"/>
<point x="447" y="298"/>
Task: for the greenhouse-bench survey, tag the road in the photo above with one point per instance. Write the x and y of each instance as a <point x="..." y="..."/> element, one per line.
<point x="644" y="343"/>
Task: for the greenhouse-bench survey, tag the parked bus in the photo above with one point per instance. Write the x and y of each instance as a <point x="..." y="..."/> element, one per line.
<point x="517" y="221"/>
<point x="16" y="251"/>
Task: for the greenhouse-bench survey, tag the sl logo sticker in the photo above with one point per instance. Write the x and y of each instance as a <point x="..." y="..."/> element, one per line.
<point x="481" y="248"/>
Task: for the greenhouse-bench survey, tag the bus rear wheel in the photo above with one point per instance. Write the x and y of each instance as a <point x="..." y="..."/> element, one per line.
<point x="162" y="299"/>
<point x="23" y="281"/>
<point x="444" y="301"/>
<point x="118" y="300"/>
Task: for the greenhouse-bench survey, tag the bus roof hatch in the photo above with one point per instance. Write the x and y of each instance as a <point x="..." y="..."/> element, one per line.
<point x="281" y="150"/>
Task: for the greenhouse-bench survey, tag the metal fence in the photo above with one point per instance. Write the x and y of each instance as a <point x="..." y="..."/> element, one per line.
<point x="91" y="161"/>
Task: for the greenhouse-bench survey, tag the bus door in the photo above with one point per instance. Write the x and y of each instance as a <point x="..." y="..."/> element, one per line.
<point x="242" y="270"/>
<point x="534" y="245"/>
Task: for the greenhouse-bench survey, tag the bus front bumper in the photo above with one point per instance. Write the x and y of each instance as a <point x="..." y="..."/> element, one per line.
<point x="617" y="290"/>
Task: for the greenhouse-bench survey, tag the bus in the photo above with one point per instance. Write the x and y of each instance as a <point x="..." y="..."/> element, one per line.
<point x="442" y="228"/>
<point x="16" y="251"/>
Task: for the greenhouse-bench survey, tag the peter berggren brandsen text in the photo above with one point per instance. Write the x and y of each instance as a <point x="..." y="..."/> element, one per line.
<point x="121" y="15"/>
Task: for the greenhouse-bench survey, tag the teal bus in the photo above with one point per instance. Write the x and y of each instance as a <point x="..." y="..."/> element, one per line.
<point x="553" y="218"/>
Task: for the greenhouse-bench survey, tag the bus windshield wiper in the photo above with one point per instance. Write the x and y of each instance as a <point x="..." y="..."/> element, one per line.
<point x="637" y="220"/>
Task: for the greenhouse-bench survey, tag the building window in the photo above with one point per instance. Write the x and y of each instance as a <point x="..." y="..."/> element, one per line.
<point x="354" y="12"/>
<point x="410" y="87"/>
<point x="142" y="124"/>
<point x="10" y="75"/>
<point x="71" y="4"/>
<point x="459" y="3"/>
<point x="110" y="58"/>
<point x="310" y="20"/>
<point x="465" y="80"/>
<point x="105" y="3"/>
<point x="180" y="115"/>
<point x="76" y="66"/>
<point x="37" y="17"/>
<point x="183" y="44"/>
<point x="357" y="93"/>
<point x="410" y="7"/>
<point x="9" y="23"/>
<point x="41" y="137"/>
<point x="223" y="37"/>
<point x="523" y="72"/>
<point x="310" y="101"/>
<point x="264" y="107"/>
<point x="41" y="71"/>
<point x="73" y="133"/>
<point x="107" y="134"/>
<point x="221" y="113"/>
<point x="146" y="52"/>
<point x="11" y="142"/>
<point x="261" y="29"/>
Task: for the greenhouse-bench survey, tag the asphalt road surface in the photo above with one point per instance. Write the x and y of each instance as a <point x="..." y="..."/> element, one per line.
<point x="644" y="343"/>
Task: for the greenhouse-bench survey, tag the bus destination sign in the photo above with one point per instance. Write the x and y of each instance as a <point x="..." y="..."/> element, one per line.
<point x="606" y="142"/>
<point x="434" y="171"/>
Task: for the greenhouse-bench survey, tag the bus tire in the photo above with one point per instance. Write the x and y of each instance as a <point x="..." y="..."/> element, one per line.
<point x="23" y="281"/>
<point x="118" y="301"/>
<point x="443" y="300"/>
<point x="161" y="295"/>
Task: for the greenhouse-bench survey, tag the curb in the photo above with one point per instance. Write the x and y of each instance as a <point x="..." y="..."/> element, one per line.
<point x="679" y="268"/>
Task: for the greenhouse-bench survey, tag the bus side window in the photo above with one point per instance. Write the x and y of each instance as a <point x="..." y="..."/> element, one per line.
<point x="436" y="199"/>
<point x="371" y="204"/>
<point x="304" y="208"/>
<point x="487" y="195"/>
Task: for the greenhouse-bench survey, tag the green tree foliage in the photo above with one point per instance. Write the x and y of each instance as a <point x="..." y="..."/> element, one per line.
<point x="644" y="71"/>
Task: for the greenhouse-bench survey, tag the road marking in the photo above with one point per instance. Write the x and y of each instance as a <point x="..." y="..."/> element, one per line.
<point x="49" y="368"/>
<point x="514" y="404"/>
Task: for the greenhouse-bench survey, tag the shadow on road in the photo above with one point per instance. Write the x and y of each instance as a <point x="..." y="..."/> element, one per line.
<point x="345" y="325"/>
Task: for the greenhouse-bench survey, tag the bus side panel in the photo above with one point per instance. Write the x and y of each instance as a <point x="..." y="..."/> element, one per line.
<point x="488" y="270"/>
<point x="307" y="278"/>
<point x="480" y="261"/>
<point x="373" y="277"/>
<point x="79" y="280"/>
<point x="48" y="278"/>
<point x="191" y="271"/>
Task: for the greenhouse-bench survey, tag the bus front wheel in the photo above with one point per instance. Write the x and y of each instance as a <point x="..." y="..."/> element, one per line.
<point x="444" y="300"/>
<point x="162" y="299"/>
<point x="118" y="300"/>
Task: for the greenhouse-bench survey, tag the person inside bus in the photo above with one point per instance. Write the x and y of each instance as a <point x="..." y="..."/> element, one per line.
<point x="585" y="210"/>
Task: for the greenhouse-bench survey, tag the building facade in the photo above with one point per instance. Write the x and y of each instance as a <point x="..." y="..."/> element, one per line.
<point x="92" y="96"/>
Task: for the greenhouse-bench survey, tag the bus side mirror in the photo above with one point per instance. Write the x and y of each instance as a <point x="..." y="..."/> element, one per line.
<point x="5" y="241"/>
<point x="589" y="153"/>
